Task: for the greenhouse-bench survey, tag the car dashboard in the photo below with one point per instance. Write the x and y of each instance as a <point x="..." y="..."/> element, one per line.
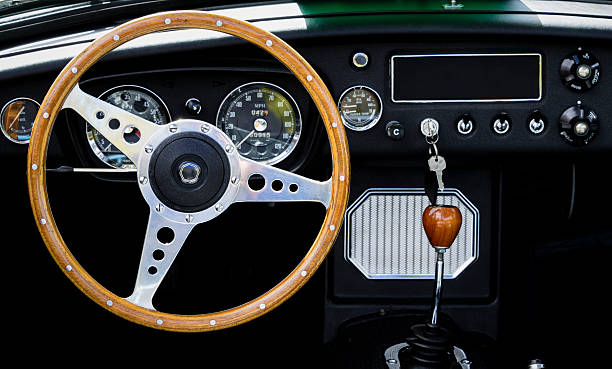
<point x="521" y="103"/>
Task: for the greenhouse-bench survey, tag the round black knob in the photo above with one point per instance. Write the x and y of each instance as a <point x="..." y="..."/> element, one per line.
<point x="580" y="71"/>
<point x="395" y="130"/>
<point x="579" y="125"/>
<point x="193" y="106"/>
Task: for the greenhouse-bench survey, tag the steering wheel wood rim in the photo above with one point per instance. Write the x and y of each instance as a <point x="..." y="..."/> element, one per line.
<point x="68" y="79"/>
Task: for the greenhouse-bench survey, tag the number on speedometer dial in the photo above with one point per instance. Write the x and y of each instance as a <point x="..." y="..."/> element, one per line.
<point x="262" y="120"/>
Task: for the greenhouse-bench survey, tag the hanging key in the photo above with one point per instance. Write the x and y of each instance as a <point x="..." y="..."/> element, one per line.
<point x="437" y="164"/>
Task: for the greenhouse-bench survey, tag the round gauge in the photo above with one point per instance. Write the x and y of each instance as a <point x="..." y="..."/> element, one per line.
<point x="18" y="118"/>
<point x="360" y="108"/>
<point x="262" y="120"/>
<point x="136" y="100"/>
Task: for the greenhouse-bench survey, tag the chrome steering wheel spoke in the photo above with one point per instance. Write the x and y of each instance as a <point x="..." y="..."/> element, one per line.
<point x="126" y="131"/>
<point x="163" y="241"/>
<point x="280" y="185"/>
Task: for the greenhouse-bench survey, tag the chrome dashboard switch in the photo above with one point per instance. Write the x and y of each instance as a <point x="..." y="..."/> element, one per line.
<point x="465" y="124"/>
<point x="501" y="124"/>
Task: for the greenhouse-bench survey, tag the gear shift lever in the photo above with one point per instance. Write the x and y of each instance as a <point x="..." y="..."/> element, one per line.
<point x="441" y="224"/>
<point x="430" y="345"/>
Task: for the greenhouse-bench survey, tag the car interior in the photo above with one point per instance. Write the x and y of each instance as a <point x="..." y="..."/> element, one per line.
<point x="318" y="184"/>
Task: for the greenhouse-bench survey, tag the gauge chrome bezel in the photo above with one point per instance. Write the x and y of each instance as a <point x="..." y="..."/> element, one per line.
<point x="375" y="119"/>
<point x="6" y="134"/>
<point x="89" y="133"/>
<point x="294" y="140"/>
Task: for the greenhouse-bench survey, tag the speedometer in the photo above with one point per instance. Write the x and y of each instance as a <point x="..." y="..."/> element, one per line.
<point x="136" y="100"/>
<point x="262" y="120"/>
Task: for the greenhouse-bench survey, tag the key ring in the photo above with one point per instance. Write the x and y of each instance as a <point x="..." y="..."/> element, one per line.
<point x="435" y="149"/>
<point x="432" y="140"/>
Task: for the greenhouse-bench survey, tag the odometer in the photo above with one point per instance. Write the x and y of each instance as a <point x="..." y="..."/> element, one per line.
<point x="262" y="120"/>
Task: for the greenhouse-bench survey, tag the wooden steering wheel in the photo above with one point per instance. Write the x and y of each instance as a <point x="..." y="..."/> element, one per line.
<point x="158" y="152"/>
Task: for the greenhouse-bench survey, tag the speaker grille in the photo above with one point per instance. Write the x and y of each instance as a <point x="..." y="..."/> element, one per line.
<point x="384" y="236"/>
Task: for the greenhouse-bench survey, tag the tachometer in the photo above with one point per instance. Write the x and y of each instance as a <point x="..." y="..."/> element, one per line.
<point x="136" y="100"/>
<point x="360" y="108"/>
<point x="262" y="120"/>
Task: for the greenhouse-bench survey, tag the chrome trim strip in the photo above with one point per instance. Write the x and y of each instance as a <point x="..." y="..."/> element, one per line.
<point x="412" y="191"/>
<point x="463" y="100"/>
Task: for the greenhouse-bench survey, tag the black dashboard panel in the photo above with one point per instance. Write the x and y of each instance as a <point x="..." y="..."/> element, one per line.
<point x="208" y="69"/>
<point x="483" y="141"/>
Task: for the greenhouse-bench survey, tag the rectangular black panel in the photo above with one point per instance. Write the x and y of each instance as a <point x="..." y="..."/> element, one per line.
<point x="466" y="77"/>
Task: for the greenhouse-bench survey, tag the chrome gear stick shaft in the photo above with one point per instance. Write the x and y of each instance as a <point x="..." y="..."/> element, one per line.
<point x="441" y="224"/>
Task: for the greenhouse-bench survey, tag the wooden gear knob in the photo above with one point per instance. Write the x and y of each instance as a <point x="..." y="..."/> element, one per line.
<point x="442" y="224"/>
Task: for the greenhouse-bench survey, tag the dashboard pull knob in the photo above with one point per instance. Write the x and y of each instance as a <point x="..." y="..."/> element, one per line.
<point x="441" y="224"/>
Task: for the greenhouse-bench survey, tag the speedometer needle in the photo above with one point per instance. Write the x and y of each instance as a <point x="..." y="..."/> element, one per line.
<point x="245" y="138"/>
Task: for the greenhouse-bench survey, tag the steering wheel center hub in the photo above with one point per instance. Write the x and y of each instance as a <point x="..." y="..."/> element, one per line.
<point x="189" y="171"/>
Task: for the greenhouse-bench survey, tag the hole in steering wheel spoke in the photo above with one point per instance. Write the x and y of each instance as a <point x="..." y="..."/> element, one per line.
<point x="112" y="124"/>
<point x="131" y="134"/>
<point x="277" y="185"/>
<point x="256" y="182"/>
<point x="165" y="235"/>
<point x="158" y="255"/>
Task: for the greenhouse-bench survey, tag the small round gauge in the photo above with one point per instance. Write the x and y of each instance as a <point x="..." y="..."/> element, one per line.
<point x="136" y="100"/>
<point x="262" y="120"/>
<point x="18" y="118"/>
<point x="360" y="108"/>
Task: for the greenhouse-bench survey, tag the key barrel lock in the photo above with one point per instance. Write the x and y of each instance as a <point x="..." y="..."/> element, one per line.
<point x="579" y="125"/>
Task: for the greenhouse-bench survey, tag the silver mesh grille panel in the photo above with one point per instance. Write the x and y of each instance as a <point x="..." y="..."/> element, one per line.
<point x="384" y="235"/>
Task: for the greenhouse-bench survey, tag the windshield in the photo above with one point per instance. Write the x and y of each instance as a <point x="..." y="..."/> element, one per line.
<point x="17" y="7"/>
